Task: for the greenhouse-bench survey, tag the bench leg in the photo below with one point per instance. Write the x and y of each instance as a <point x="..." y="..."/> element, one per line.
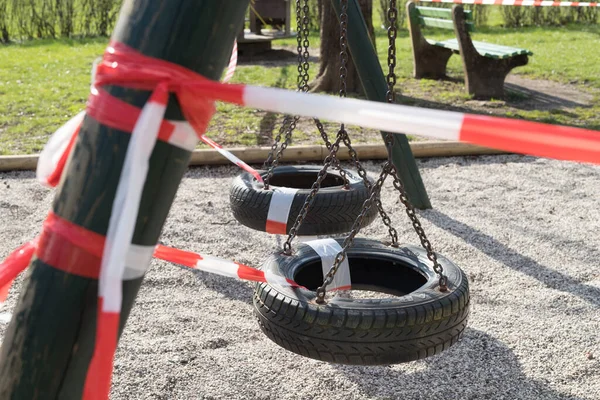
<point x="430" y="61"/>
<point x="484" y="77"/>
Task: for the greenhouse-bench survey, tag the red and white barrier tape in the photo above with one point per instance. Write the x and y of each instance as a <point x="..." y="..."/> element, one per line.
<point x="513" y="135"/>
<point x="118" y="240"/>
<point x="328" y="249"/>
<point x="532" y="3"/>
<point x="232" y="64"/>
<point x="19" y="259"/>
<point x="123" y="116"/>
<point x="279" y="210"/>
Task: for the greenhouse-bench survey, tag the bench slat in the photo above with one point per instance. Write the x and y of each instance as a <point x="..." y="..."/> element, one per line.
<point x="500" y="49"/>
<point x="443" y="13"/>
<point x="485" y="49"/>
<point x="451" y="44"/>
<point x="443" y="23"/>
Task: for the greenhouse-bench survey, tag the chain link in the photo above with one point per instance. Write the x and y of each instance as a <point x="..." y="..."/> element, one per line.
<point x="392" y="33"/>
<point x="336" y="161"/>
<point x="283" y="128"/>
<point x="343" y="49"/>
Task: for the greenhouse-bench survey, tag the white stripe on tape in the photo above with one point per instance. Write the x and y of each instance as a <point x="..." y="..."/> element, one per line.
<point x="55" y="147"/>
<point x="127" y="201"/>
<point x="137" y="261"/>
<point x="383" y="116"/>
<point x="279" y="209"/>
<point x="327" y="249"/>
<point x="218" y="266"/>
<point x="304" y="239"/>
<point x="183" y="136"/>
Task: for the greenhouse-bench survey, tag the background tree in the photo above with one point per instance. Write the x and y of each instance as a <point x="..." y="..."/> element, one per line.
<point x="328" y="78"/>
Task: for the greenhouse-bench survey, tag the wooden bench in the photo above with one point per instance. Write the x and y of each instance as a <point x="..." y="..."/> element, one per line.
<point x="486" y="65"/>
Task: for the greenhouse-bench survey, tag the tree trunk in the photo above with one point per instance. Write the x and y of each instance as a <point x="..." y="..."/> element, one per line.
<point x="328" y="78"/>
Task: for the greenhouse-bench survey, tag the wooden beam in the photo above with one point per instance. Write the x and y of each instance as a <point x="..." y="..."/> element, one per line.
<point x="254" y="155"/>
<point x="48" y="345"/>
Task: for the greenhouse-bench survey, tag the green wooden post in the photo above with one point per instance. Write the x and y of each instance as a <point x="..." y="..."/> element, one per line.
<point x="49" y="342"/>
<point x="374" y="83"/>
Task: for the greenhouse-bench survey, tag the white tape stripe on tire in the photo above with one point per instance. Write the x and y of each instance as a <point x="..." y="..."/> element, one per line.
<point x="275" y="280"/>
<point x="327" y="249"/>
<point x="279" y="209"/>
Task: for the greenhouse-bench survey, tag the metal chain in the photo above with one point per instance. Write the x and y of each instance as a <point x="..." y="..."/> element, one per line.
<point x="343" y="49"/>
<point x="336" y="162"/>
<point x="388" y="169"/>
<point x="283" y="128"/>
<point x="392" y="15"/>
<point x="391" y="98"/>
<point x="289" y="123"/>
<point x="289" y="129"/>
<point x="410" y="211"/>
<point x="341" y="256"/>
<point x="302" y="22"/>
<point x="331" y="159"/>
<point x="305" y="44"/>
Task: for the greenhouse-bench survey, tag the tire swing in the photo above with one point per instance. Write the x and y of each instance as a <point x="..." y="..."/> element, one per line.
<point x="273" y="205"/>
<point x="430" y="305"/>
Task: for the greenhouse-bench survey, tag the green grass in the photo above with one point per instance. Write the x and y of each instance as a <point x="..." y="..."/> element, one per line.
<point x="44" y="82"/>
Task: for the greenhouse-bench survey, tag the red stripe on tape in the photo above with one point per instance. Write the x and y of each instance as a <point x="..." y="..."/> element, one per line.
<point x="560" y="142"/>
<point x="70" y="248"/>
<point x="97" y="382"/>
<point x="347" y="287"/>
<point x="4" y="291"/>
<point x="16" y="262"/>
<point x="118" y="114"/>
<point x="250" y="274"/>
<point x="210" y="142"/>
<point x="160" y="95"/>
<point x="276" y="227"/>
<point x="177" y="256"/>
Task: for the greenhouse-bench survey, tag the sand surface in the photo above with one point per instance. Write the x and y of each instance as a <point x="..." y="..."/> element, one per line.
<point x="525" y="230"/>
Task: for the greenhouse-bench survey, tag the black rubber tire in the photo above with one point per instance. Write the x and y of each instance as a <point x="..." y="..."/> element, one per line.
<point x="416" y="325"/>
<point x="334" y="209"/>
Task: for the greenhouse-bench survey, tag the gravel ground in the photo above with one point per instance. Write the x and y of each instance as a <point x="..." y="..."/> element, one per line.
<point x="526" y="231"/>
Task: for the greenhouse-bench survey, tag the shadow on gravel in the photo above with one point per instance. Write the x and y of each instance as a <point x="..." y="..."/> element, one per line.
<point x="478" y="367"/>
<point x="512" y="259"/>
<point x="530" y="99"/>
<point x="230" y="288"/>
